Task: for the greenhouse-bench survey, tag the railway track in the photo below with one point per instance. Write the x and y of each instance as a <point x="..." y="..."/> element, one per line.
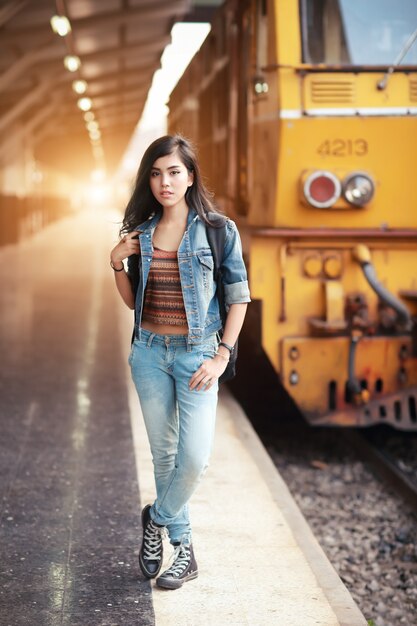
<point x="362" y="512"/>
<point x="385" y="465"/>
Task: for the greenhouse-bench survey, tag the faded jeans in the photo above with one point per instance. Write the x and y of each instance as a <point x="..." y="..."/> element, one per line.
<point x="180" y="423"/>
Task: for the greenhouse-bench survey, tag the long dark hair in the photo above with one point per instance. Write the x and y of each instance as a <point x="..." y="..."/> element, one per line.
<point x="143" y="203"/>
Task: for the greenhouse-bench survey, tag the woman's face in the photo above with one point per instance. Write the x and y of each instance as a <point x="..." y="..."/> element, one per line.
<point x="170" y="180"/>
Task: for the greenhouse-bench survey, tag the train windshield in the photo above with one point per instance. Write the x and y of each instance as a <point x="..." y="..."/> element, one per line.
<point x="358" y="32"/>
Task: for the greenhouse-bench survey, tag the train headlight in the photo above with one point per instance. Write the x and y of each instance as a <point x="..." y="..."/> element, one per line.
<point x="358" y="188"/>
<point x="322" y="189"/>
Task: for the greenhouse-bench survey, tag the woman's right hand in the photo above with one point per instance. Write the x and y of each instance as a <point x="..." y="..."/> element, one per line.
<point x="129" y="244"/>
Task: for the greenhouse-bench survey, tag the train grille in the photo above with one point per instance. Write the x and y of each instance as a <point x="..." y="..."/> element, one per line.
<point x="332" y="92"/>
<point x="413" y="90"/>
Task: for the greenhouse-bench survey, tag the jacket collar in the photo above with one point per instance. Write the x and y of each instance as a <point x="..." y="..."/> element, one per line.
<point x="153" y="220"/>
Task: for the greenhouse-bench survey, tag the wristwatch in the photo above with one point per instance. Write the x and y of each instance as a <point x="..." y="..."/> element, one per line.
<point x="226" y="345"/>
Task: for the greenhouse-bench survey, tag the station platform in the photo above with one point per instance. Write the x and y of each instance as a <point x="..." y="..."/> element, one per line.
<point x="76" y="470"/>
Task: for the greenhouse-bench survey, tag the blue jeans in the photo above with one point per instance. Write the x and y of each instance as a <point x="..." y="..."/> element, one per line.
<point x="180" y="423"/>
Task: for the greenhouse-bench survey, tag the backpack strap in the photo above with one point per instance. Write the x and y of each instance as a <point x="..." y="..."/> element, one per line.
<point x="216" y="236"/>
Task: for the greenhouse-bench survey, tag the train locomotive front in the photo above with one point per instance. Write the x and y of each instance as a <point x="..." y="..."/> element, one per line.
<point x="305" y="114"/>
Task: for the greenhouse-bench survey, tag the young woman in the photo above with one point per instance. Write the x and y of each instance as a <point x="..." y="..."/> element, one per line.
<point x="176" y="357"/>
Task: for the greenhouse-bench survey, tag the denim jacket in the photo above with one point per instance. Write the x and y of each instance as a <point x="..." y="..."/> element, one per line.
<point x="195" y="262"/>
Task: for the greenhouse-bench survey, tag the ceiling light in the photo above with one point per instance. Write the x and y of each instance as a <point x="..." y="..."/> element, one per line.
<point x="84" y="104"/>
<point x="89" y="116"/>
<point x="98" y="152"/>
<point x="79" y="86"/>
<point x="72" y="62"/>
<point x="92" y="126"/>
<point x="95" y="134"/>
<point x="60" y="25"/>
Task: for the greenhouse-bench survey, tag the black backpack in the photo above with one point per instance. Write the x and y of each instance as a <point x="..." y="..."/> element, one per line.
<point x="216" y="236"/>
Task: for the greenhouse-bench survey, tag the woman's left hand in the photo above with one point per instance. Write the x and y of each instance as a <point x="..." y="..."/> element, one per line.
<point x="208" y="373"/>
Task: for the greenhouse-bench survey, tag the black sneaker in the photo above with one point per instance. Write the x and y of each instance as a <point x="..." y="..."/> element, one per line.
<point x="150" y="555"/>
<point x="183" y="568"/>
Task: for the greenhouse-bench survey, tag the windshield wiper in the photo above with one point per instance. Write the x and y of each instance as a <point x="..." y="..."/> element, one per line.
<point x="406" y="47"/>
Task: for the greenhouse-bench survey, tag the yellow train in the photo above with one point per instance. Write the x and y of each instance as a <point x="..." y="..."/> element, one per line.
<point x="305" y="117"/>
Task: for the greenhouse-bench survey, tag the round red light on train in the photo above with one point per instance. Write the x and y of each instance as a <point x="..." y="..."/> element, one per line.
<point x="322" y="189"/>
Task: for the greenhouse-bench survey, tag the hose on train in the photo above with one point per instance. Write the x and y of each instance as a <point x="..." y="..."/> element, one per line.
<point x="362" y="255"/>
<point x="357" y="394"/>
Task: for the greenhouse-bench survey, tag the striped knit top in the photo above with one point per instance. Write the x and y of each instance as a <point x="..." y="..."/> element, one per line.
<point x="163" y="303"/>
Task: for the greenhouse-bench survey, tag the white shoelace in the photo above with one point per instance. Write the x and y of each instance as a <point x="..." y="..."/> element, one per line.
<point x="152" y="550"/>
<point x="181" y="559"/>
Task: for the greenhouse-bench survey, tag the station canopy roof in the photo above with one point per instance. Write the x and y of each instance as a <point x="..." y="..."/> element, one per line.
<point x="119" y="44"/>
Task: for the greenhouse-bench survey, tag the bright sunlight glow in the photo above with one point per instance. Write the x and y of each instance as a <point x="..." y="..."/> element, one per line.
<point x="186" y="40"/>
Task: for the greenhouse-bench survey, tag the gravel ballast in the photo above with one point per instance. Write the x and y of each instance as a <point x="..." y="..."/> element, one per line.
<point x="367" y="531"/>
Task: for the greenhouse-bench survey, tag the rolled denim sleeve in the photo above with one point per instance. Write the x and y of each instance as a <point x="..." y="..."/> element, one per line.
<point x="234" y="275"/>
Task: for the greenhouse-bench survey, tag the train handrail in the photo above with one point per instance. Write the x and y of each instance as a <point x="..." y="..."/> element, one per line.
<point x="331" y="233"/>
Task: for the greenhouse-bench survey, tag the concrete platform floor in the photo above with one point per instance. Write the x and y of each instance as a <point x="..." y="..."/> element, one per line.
<point x="74" y="479"/>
